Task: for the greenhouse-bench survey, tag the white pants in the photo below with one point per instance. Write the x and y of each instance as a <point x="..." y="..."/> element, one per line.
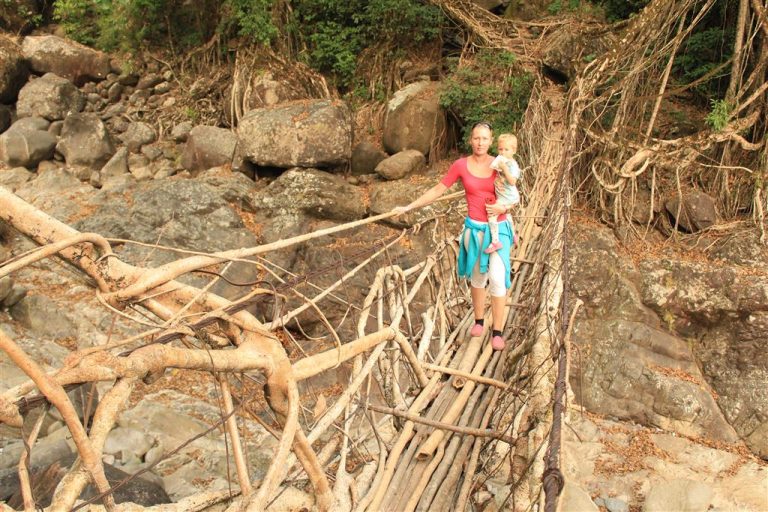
<point x="497" y="271"/>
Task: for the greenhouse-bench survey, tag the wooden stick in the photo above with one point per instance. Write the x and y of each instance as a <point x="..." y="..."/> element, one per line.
<point x="475" y="432"/>
<point x="466" y="375"/>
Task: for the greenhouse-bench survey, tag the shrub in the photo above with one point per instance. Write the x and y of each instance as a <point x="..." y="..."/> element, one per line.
<point x="488" y="89"/>
<point x="717" y="118"/>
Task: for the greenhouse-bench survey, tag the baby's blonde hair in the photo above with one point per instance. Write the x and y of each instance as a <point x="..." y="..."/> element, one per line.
<point x="506" y="137"/>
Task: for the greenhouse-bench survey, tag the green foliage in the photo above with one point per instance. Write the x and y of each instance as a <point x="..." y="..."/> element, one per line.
<point x="335" y="32"/>
<point x="488" y="89"/>
<point x="251" y="19"/>
<point x="702" y="52"/>
<point x="79" y="18"/>
<point x="717" y="118"/>
<point x="557" y="6"/>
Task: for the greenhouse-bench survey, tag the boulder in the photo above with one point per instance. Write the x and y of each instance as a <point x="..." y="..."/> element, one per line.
<point x="13" y="70"/>
<point x="26" y="148"/>
<point x="695" y="212"/>
<point x="137" y="135"/>
<point x="414" y="118"/>
<point x="68" y="59"/>
<point x="31" y="124"/>
<point x="306" y="133"/>
<point x="207" y="147"/>
<point x="316" y="193"/>
<point x="51" y="97"/>
<point x="365" y="158"/>
<point x="401" y="164"/>
<point x="85" y="141"/>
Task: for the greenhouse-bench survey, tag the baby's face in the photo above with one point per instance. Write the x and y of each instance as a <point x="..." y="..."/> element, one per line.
<point x="507" y="148"/>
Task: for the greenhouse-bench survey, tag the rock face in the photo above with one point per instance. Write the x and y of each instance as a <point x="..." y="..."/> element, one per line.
<point x="68" y="59"/>
<point x="137" y="135"/>
<point x="13" y="70"/>
<point x="51" y="97"/>
<point x="414" y="118"/>
<point x="661" y="338"/>
<point x="207" y="147"/>
<point x="85" y="141"/>
<point x="305" y="134"/>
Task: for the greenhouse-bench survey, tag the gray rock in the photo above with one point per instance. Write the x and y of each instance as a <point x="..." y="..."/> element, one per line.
<point x="85" y="141"/>
<point x="55" y="128"/>
<point x="143" y="173"/>
<point x="695" y="212"/>
<point x="128" y="79"/>
<point x="365" y="158"/>
<point x="180" y="132"/>
<point x="162" y="88"/>
<point x="316" y="193"/>
<point x="116" y="165"/>
<point x="17" y="293"/>
<point x="680" y="495"/>
<point x="127" y="440"/>
<point x="165" y="171"/>
<point x="137" y="135"/>
<point x="136" y="160"/>
<point x="26" y="148"/>
<point x="208" y="146"/>
<point x="152" y="152"/>
<point x="43" y="317"/>
<point x="148" y="81"/>
<point x="115" y="92"/>
<point x="234" y="187"/>
<point x="51" y="97"/>
<point x="414" y="118"/>
<point x="386" y="195"/>
<point x="68" y="59"/>
<point x="13" y="70"/>
<point x="575" y="499"/>
<point x="34" y="124"/>
<point x="306" y="134"/>
<point x="741" y="248"/>
<point x="15" y="178"/>
<point x="401" y="164"/>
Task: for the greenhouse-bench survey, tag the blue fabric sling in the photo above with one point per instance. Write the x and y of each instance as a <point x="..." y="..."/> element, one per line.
<point x="468" y="255"/>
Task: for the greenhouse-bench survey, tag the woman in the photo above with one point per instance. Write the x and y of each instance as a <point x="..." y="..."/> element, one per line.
<point x="477" y="177"/>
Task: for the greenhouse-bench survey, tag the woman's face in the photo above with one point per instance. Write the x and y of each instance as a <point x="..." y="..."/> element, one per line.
<point x="480" y="139"/>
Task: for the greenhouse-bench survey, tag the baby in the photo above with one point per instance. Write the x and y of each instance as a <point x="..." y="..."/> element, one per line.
<point x="506" y="183"/>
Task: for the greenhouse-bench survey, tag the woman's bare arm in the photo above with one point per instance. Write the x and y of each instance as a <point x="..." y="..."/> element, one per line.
<point x="424" y="199"/>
